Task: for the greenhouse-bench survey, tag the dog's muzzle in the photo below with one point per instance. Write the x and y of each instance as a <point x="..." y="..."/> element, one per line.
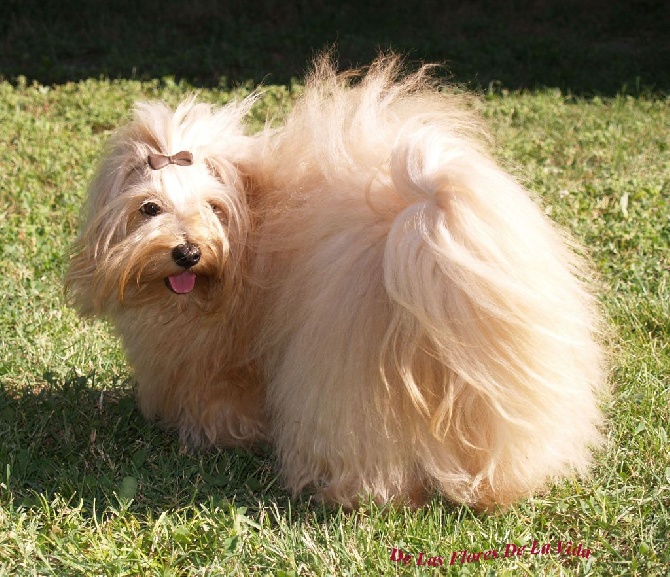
<point x="186" y="255"/>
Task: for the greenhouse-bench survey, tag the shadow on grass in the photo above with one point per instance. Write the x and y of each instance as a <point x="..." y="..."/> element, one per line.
<point x="586" y="47"/>
<point x="73" y="439"/>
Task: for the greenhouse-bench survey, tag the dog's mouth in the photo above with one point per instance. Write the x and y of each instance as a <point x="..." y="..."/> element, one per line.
<point x="182" y="283"/>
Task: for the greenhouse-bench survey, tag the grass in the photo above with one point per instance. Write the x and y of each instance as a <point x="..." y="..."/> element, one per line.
<point x="87" y="487"/>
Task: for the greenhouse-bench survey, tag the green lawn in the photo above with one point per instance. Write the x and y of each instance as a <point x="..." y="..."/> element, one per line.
<point x="87" y="487"/>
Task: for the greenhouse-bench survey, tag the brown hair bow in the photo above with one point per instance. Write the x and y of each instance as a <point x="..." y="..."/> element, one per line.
<point x="158" y="161"/>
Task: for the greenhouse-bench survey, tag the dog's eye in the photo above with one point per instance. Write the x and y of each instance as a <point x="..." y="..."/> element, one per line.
<point x="217" y="210"/>
<point x="150" y="209"/>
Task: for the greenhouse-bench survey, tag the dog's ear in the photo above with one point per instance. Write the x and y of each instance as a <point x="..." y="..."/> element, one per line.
<point x="101" y="218"/>
<point x="90" y="244"/>
<point x="79" y="279"/>
<point x="232" y="157"/>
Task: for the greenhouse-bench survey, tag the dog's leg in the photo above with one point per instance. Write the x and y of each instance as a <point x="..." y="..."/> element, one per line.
<point x="191" y="383"/>
<point x="223" y="411"/>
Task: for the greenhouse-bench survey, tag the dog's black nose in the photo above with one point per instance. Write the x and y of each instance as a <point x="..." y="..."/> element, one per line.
<point x="186" y="255"/>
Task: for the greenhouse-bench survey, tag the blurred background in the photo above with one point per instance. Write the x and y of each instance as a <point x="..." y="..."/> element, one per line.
<point x="584" y="47"/>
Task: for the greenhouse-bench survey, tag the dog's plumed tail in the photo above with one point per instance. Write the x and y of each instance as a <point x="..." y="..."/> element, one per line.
<point x="487" y="366"/>
<point x="486" y="286"/>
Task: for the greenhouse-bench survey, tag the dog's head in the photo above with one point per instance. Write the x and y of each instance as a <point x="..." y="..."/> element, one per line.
<point x="167" y="217"/>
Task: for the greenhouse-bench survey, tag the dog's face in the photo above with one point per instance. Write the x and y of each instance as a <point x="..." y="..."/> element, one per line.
<point x="167" y="215"/>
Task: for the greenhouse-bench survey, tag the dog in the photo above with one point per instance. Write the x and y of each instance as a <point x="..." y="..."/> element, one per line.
<point x="363" y="287"/>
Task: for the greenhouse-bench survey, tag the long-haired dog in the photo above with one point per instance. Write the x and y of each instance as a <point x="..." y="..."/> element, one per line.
<point x="363" y="287"/>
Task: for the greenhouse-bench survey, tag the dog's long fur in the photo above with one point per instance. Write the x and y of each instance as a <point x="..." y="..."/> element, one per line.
<point x="375" y="295"/>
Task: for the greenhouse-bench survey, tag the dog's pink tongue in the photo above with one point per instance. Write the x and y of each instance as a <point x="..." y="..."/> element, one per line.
<point x="182" y="283"/>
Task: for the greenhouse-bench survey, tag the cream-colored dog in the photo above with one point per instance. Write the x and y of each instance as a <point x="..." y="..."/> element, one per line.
<point x="364" y="287"/>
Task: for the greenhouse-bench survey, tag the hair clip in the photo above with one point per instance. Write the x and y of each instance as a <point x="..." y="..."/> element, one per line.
<point x="158" y="161"/>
